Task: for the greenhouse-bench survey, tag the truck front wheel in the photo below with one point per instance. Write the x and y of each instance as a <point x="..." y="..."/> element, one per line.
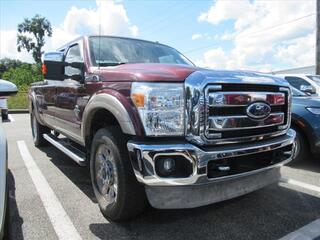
<point x="118" y="193"/>
<point x="37" y="131"/>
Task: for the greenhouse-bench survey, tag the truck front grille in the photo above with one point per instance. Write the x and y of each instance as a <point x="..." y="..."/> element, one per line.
<point x="228" y="111"/>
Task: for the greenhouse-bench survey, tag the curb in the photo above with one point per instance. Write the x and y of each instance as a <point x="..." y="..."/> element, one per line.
<point x="18" y="111"/>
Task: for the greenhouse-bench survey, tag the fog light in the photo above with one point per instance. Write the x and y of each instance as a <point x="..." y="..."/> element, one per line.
<point x="165" y="166"/>
<point x="175" y="166"/>
<point x="168" y="165"/>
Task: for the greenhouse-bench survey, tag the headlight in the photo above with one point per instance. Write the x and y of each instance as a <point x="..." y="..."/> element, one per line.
<point x="314" y="110"/>
<point x="161" y="107"/>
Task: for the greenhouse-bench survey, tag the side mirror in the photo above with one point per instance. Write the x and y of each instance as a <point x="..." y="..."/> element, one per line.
<point x="53" y="66"/>
<point x="308" y="89"/>
<point x="7" y="88"/>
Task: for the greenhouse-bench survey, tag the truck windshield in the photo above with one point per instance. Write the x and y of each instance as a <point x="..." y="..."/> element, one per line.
<point x="112" y="51"/>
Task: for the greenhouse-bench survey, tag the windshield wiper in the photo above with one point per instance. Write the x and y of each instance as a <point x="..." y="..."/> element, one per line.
<point x="111" y="64"/>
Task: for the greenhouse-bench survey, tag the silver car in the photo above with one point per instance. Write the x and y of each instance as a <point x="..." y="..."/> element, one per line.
<point x="6" y="89"/>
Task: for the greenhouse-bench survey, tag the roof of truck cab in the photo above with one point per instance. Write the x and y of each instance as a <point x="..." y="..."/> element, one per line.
<point x="109" y="36"/>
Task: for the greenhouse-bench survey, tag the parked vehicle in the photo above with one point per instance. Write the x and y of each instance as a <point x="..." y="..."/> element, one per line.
<point x="307" y="83"/>
<point x="154" y="127"/>
<point x="6" y="89"/>
<point x="4" y="108"/>
<point x="305" y="121"/>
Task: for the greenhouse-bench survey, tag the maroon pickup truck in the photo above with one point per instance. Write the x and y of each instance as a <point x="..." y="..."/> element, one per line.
<point x="154" y="128"/>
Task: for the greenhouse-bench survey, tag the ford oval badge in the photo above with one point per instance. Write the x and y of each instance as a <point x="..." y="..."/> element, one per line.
<point x="258" y="110"/>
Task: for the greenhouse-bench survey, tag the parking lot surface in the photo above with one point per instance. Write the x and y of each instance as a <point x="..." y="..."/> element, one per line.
<point x="36" y="212"/>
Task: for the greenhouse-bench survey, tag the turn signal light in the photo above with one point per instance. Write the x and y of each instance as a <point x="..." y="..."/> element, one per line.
<point x="138" y="99"/>
<point x="44" y="69"/>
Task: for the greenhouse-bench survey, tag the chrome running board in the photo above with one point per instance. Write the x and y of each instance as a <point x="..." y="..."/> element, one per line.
<point x="72" y="152"/>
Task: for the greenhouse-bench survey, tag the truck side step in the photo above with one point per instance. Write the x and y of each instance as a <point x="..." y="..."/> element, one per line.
<point x="75" y="154"/>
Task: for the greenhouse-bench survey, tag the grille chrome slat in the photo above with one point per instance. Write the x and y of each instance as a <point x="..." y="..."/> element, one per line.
<point x="227" y="123"/>
<point x="231" y="99"/>
<point x="228" y="126"/>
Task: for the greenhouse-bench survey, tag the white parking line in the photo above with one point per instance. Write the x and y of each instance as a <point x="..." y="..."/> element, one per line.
<point x="310" y="231"/>
<point x="61" y="222"/>
<point x="11" y="118"/>
<point x="301" y="184"/>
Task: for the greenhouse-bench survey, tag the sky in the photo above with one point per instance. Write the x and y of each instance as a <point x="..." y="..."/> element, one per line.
<point x="240" y="34"/>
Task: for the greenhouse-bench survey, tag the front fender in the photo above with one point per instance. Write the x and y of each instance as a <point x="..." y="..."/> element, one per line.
<point x="118" y="105"/>
<point x="33" y="102"/>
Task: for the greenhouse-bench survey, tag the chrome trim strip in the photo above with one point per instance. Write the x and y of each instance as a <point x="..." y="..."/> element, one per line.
<point x="227" y="123"/>
<point x="66" y="151"/>
<point x="218" y="99"/>
<point x="289" y="106"/>
<point x="201" y="158"/>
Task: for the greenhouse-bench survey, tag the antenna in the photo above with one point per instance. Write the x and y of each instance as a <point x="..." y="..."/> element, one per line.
<point x="99" y="40"/>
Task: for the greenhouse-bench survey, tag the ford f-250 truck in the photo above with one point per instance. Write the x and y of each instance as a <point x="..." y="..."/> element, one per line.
<point x="153" y="127"/>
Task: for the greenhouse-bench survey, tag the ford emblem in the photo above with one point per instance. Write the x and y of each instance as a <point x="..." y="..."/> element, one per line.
<point x="258" y="110"/>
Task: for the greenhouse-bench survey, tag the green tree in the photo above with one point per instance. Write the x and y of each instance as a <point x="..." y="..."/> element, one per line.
<point x="23" y="75"/>
<point x="31" y="35"/>
<point x="7" y="63"/>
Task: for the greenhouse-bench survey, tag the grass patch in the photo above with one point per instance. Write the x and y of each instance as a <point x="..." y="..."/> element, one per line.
<point x="19" y="101"/>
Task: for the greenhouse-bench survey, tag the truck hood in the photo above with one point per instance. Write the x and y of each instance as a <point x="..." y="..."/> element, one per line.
<point x="307" y="101"/>
<point x="237" y="77"/>
<point x="145" y="72"/>
<point x="178" y="73"/>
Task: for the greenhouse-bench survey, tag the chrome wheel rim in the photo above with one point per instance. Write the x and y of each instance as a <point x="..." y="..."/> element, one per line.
<point x="297" y="147"/>
<point x="106" y="173"/>
<point x="34" y="127"/>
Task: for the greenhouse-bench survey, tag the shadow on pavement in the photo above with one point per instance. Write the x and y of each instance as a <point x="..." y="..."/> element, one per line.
<point x="80" y="176"/>
<point x="311" y="164"/>
<point x="269" y="213"/>
<point x="13" y="220"/>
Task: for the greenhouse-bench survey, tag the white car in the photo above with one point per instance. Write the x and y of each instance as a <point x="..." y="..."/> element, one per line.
<point x="308" y="83"/>
<point x="6" y="89"/>
<point x="4" y="108"/>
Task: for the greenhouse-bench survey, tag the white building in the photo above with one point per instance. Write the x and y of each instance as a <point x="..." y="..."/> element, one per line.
<point x="300" y="70"/>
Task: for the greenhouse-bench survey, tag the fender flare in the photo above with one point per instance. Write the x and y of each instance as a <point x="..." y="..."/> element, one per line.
<point x="33" y="101"/>
<point x="114" y="106"/>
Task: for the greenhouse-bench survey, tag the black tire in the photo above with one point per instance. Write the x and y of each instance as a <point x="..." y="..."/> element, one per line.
<point x="129" y="199"/>
<point x="37" y="131"/>
<point x="301" y="148"/>
<point x="4" y="114"/>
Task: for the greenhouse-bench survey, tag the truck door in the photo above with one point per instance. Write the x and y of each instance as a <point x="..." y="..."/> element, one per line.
<point x="69" y="97"/>
<point x="45" y="95"/>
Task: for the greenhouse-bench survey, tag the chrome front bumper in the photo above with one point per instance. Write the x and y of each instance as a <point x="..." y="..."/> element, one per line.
<point x="142" y="157"/>
<point x="198" y="189"/>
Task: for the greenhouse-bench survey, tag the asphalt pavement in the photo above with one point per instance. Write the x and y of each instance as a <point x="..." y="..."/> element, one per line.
<point x="50" y="197"/>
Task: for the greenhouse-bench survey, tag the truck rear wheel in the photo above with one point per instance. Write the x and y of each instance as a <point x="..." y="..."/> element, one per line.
<point x="37" y="131"/>
<point x="118" y="193"/>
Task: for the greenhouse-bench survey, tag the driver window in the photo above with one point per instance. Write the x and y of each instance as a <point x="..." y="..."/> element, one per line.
<point x="73" y="55"/>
